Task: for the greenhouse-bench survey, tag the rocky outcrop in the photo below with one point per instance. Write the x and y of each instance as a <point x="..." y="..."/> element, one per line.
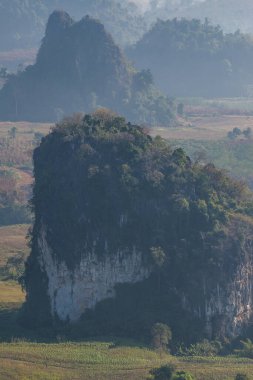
<point x="229" y="310"/>
<point x="78" y="69"/>
<point x="114" y="207"/>
<point x="226" y="308"/>
<point x="72" y="292"/>
<point x="224" y="300"/>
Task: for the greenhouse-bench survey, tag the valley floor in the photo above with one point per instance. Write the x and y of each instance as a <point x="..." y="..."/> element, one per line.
<point x="23" y="361"/>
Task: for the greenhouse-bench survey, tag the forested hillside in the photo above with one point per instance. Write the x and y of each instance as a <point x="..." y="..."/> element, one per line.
<point x="78" y="69"/>
<point x="230" y="14"/>
<point x="22" y="22"/>
<point x="104" y="187"/>
<point x="190" y="58"/>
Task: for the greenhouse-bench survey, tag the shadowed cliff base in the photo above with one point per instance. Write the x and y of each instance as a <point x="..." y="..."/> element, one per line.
<point x="114" y="207"/>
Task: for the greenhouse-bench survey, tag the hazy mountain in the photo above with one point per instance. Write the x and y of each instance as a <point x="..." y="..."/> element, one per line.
<point x="79" y="68"/>
<point x="121" y="18"/>
<point x="190" y="58"/>
<point x="22" y="22"/>
<point x="230" y="14"/>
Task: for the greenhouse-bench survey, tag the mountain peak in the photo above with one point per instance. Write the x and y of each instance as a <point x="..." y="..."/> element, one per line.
<point x="57" y="22"/>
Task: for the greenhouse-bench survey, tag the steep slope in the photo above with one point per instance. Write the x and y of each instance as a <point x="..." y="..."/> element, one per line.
<point x="121" y="18"/>
<point x="79" y="68"/>
<point x="120" y="215"/>
<point x="191" y="58"/>
<point x="22" y="22"/>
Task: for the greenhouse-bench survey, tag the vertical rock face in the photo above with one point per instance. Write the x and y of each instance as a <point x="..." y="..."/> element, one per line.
<point x="112" y="206"/>
<point x="72" y="292"/>
<point x="230" y="308"/>
<point x="225" y="301"/>
<point x="225" y="306"/>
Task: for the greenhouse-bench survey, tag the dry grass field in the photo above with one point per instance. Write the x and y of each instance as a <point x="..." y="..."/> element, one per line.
<point x="195" y="128"/>
<point x="10" y="294"/>
<point x="205" y="128"/>
<point x="24" y="129"/>
<point x="12" y="241"/>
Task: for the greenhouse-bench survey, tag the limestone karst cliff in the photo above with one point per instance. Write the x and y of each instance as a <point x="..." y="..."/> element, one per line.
<point x="80" y="68"/>
<point x="129" y="232"/>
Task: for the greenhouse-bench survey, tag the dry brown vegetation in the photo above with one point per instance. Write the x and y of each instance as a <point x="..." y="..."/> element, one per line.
<point x="24" y="129"/>
<point x="205" y="128"/>
<point x="12" y="240"/>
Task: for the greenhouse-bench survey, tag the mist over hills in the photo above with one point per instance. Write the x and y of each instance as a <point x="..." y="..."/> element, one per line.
<point x="80" y="68"/>
<point x="22" y="22"/>
<point x="230" y="14"/>
<point x="190" y="58"/>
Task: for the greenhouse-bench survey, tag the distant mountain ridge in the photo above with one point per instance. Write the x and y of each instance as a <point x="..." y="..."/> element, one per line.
<point x="232" y="15"/>
<point x="22" y="22"/>
<point x="194" y="58"/>
<point x="80" y="68"/>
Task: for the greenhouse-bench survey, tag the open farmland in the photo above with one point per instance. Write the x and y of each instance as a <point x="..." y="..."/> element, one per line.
<point x="99" y="361"/>
<point x="211" y="128"/>
<point x="104" y="359"/>
<point x="25" y="130"/>
<point x="12" y="240"/>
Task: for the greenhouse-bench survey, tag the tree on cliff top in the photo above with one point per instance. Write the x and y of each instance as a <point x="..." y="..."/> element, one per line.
<point x="103" y="185"/>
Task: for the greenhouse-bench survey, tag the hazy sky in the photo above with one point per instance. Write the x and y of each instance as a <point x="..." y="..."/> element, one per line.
<point x="141" y="3"/>
<point x="144" y="3"/>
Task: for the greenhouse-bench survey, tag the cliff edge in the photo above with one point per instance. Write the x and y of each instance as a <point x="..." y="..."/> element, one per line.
<point x="129" y="232"/>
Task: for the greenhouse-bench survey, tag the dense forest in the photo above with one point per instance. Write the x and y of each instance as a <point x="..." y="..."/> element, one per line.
<point x="78" y="69"/>
<point x="191" y="58"/>
<point x="232" y="15"/>
<point x="191" y="222"/>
